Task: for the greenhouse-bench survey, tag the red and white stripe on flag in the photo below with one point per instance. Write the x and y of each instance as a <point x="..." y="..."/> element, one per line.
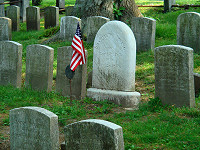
<point x="78" y="56"/>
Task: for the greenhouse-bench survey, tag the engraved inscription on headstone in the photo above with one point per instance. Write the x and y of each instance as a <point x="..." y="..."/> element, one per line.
<point x="13" y="12"/>
<point x="33" y="128"/>
<point x="51" y="17"/>
<point x="39" y="67"/>
<point x="10" y="63"/>
<point x="94" y="134"/>
<point x="174" y="80"/>
<point x="188" y="33"/>
<point x="78" y="83"/>
<point x="33" y="18"/>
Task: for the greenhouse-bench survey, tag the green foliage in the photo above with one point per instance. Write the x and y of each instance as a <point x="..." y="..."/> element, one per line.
<point x="117" y="11"/>
<point x="49" y="32"/>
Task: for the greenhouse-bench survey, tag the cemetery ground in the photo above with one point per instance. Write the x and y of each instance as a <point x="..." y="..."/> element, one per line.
<point x="152" y="126"/>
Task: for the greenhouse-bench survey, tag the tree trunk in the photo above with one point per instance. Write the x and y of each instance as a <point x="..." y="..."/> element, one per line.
<point x="131" y="10"/>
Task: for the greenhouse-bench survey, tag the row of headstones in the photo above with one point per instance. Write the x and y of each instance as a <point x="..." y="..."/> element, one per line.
<point x="37" y="129"/>
<point x="114" y="62"/>
<point x="23" y="4"/>
<point x="39" y="68"/>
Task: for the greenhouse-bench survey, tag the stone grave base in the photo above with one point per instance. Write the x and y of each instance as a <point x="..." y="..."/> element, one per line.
<point x="129" y="100"/>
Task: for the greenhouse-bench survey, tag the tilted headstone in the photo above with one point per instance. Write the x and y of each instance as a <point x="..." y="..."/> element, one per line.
<point x="33" y="18"/>
<point x="188" y="33"/>
<point x="2" y="10"/>
<point x="10" y="63"/>
<point x="144" y="30"/>
<point x="114" y="61"/>
<point x="5" y="29"/>
<point x="13" y="12"/>
<point x="93" y="134"/>
<point x="39" y="67"/>
<point x="94" y="23"/>
<point x="78" y="83"/>
<point x="168" y="5"/>
<point x="51" y="17"/>
<point x="33" y="128"/>
<point x="60" y="3"/>
<point x="174" y="80"/>
<point x="68" y="27"/>
<point x="23" y="5"/>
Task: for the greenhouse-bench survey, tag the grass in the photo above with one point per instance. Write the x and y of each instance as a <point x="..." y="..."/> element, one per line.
<point x="153" y="126"/>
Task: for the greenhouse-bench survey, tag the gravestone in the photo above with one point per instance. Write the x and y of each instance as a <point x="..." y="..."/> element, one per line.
<point x="168" y="5"/>
<point x="33" y="128"/>
<point x="33" y="18"/>
<point x="197" y="84"/>
<point x="10" y="63"/>
<point x="39" y="67"/>
<point x="94" y="23"/>
<point x="51" y="17"/>
<point x="78" y="83"/>
<point x="60" y="3"/>
<point x="2" y="10"/>
<point x="23" y="5"/>
<point x="114" y="61"/>
<point x="68" y="10"/>
<point x="188" y="33"/>
<point x="68" y="27"/>
<point x="174" y="80"/>
<point x="5" y="29"/>
<point x="13" y="12"/>
<point x="93" y="134"/>
<point x="144" y="30"/>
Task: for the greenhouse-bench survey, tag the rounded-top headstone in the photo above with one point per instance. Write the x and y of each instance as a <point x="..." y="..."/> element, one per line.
<point x="114" y="57"/>
<point x="188" y="32"/>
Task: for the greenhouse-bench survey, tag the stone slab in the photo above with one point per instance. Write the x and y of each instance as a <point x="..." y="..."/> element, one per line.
<point x="13" y="12"/>
<point x="2" y="9"/>
<point x="5" y="29"/>
<point x="93" y="134"/>
<point x="10" y="63"/>
<point x="60" y="3"/>
<point x="23" y="5"/>
<point x="188" y="33"/>
<point x="51" y="17"/>
<point x="33" y="18"/>
<point x="78" y="83"/>
<point x="33" y="128"/>
<point x="125" y="99"/>
<point x="93" y="25"/>
<point x="174" y="79"/>
<point x="168" y="5"/>
<point x="39" y="67"/>
<point x="68" y="27"/>
<point x="144" y="30"/>
<point x="114" y="58"/>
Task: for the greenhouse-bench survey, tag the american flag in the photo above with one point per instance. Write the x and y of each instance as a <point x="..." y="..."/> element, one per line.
<point x="78" y="56"/>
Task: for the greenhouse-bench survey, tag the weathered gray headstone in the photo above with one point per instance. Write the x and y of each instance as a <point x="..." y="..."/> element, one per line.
<point x="13" y="12"/>
<point x="33" y="128"/>
<point x="168" y="5"/>
<point x="10" y="63"/>
<point x="93" y="134"/>
<point x="68" y="27"/>
<point x="39" y="67"/>
<point x="94" y="23"/>
<point x="68" y="10"/>
<point x="23" y="5"/>
<point x="60" y="3"/>
<point x="5" y="29"/>
<point x="114" y="61"/>
<point x="78" y="83"/>
<point x="51" y="17"/>
<point x="188" y="33"/>
<point x="2" y="10"/>
<point x="197" y="84"/>
<point x="33" y="18"/>
<point x="144" y="30"/>
<point x="174" y="80"/>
